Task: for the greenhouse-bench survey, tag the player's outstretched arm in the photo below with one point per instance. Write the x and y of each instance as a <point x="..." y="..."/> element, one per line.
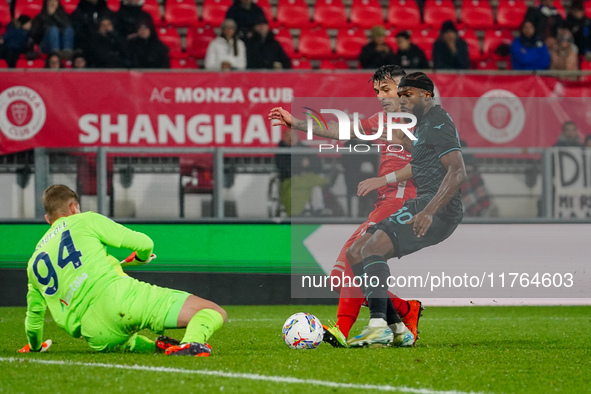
<point x="284" y="118"/>
<point x="367" y="186"/>
<point x="118" y="236"/>
<point x="456" y="175"/>
<point x="36" y="307"/>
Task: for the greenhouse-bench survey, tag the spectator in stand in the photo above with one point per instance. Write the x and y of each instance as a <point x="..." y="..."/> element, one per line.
<point x="263" y="50"/>
<point x="108" y="48"/>
<point x="245" y="13"/>
<point x="450" y="51"/>
<point x="53" y="61"/>
<point x="528" y="52"/>
<point x="17" y="40"/>
<point x="85" y="20"/>
<point x="129" y="17"/>
<point x="52" y="30"/>
<point x="79" y="61"/>
<point x="146" y="50"/>
<point x="377" y="53"/>
<point x="570" y="135"/>
<point x="409" y="55"/>
<point x="226" y="52"/>
<point x="564" y="53"/>
<point x="587" y="141"/>
<point x="580" y="27"/>
<point x="545" y="18"/>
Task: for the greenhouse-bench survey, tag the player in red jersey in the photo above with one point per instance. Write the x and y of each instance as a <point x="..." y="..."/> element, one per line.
<point x="391" y="196"/>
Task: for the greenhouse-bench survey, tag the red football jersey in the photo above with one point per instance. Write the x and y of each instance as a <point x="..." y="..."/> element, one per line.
<point x="389" y="162"/>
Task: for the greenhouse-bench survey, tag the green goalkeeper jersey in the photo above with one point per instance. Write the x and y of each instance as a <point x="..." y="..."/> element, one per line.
<point x="70" y="268"/>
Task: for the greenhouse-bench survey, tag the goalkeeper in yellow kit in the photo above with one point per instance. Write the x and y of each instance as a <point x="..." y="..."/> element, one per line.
<point x="88" y="295"/>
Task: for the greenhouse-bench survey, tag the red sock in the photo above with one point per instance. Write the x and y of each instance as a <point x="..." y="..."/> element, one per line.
<point x="349" y="306"/>
<point x="400" y="305"/>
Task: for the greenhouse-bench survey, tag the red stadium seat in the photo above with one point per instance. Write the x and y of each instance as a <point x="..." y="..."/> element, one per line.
<point x="266" y="6"/>
<point x="587" y="7"/>
<point x="4" y="14"/>
<point x="366" y="14"/>
<point x="181" y="13"/>
<point x="183" y="64"/>
<point x="284" y="37"/>
<point x="334" y="65"/>
<point x="473" y="44"/>
<point x="152" y="7"/>
<point x="113" y="5"/>
<point x="315" y="44"/>
<point x="438" y="11"/>
<point x="486" y="65"/>
<point x="198" y="40"/>
<point x="391" y="40"/>
<point x="29" y="8"/>
<point x="214" y="12"/>
<point x="424" y="39"/>
<point x="492" y="40"/>
<point x="585" y="65"/>
<point x="3" y="63"/>
<point x="350" y="42"/>
<point x="510" y="13"/>
<point x="69" y="5"/>
<point x="403" y="14"/>
<point x="293" y="14"/>
<point x="477" y="14"/>
<point x="301" y="64"/>
<point x="170" y="36"/>
<point x="24" y="63"/>
<point x="330" y="14"/>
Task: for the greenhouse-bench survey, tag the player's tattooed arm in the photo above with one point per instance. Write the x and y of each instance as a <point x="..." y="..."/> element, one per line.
<point x="454" y="178"/>
<point x="284" y="118"/>
<point x="367" y="186"/>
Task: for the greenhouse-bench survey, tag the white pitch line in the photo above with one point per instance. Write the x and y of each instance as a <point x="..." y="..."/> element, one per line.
<point x="235" y="375"/>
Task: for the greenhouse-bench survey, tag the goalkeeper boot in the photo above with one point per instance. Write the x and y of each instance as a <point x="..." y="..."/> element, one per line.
<point x="334" y="336"/>
<point x="411" y="320"/>
<point x="163" y="343"/>
<point x="190" y="349"/>
<point x="373" y="335"/>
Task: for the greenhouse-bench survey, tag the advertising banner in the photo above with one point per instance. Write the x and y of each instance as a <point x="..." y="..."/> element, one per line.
<point x="572" y="183"/>
<point x="158" y="109"/>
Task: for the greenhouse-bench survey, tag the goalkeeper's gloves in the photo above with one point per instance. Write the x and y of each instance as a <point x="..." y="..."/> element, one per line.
<point x="132" y="260"/>
<point x="44" y="347"/>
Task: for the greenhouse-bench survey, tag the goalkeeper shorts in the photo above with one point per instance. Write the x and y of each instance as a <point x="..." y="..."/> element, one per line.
<point x="125" y="307"/>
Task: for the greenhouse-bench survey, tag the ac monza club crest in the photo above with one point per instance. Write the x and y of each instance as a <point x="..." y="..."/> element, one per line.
<point x="499" y="116"/>
<point x="22" y="113"/>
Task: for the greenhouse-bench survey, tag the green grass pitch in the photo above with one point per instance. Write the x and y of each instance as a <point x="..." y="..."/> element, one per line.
<point x="462" y="349"/>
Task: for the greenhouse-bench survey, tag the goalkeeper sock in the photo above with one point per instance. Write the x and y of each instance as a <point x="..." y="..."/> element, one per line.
<point x="139" y="344"/>
<point x="202" y="326"/>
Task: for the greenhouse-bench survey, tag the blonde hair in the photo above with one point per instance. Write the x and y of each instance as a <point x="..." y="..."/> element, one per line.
<point x="56" y="200"/>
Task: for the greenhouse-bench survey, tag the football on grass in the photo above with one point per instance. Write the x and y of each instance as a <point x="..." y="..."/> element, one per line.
<point x="302" y="331"/>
